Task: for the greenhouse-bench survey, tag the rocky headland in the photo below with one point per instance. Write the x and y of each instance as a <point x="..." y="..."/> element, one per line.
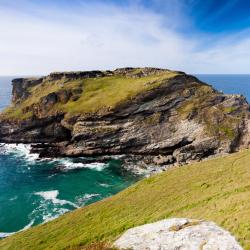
<point x="153" y="117"/>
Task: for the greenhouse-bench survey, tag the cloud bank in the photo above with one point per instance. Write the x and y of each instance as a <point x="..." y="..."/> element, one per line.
<point x="41" y="39"/>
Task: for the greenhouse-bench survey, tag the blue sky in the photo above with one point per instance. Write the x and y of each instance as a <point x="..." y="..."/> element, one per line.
<point x="209" y="36"/>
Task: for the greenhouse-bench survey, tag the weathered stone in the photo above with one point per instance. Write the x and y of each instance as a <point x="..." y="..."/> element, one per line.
<point x="21" y="86"/>
<point x="63" y="96"/>
<point x="181" y="121"/>
<point x="178" y="233"/>
<point x="74" y="75"/>
<point x="163" y="160"/>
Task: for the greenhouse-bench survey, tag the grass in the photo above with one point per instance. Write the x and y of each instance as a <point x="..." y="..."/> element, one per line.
<point x="202" y="95"/>
<point x="217" y="119"/>
<point x="107" y="92"/>
<point x="98" y="94"/>
<point x="216" y="190"/>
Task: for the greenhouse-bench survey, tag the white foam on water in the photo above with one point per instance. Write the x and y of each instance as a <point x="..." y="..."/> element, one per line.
<point x="49" y="195"/>
<point x="50" y="206"/>
<point x="69" y="164"/>
<point x="50" y="176"/>
<point x="47" y="211"/>
<point x="22" y="150"/>
<point x="89" y="196"/>
<point x="104" y="185"/>
<point x="85" y="198"/>
<point x="28" y="226"/>
<point x="13" y="198"/>
<point x="52" y="196"/>
<point x="99" y="166"/>
<point x="49" y="217"/>
<point x="4" y="235"/>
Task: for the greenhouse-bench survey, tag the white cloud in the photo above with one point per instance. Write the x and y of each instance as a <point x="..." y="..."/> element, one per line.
<point x="228" y="55"/>
<point x="39" y="41"/>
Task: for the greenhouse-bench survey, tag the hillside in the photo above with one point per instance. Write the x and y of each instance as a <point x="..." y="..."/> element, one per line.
<point x="156" y="117"/>
<point x="216" y="190"/>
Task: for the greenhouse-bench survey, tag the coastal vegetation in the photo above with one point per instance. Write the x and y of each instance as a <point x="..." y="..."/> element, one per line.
<point x="88" y="95"/>
<point x="156" y="119"/>
<point x="216" y="190"/>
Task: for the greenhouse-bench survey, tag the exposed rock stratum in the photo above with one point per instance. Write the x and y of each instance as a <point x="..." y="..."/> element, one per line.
<point x="178" y="233"/>
<point x="156" y="117"/>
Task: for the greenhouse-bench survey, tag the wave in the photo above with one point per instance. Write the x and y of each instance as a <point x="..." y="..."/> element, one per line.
<point x="52" y="196"/>
<point x="50" y="206"/>
<point x="13" y="198"/>
<point x="82" y="200"/>
<point x="22" y="150"/>
<point x="69" y="164"/>
<point x="4" y="235"/>
<point x="49" y="216"/>
<point x="104" y="185"/>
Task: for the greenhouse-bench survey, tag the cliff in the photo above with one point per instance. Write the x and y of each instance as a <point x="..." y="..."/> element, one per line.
<point x="155" y="116"/>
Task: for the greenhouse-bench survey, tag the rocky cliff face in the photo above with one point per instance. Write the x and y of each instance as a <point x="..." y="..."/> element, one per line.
<point x="170" y="118"/>
<point x="20" y="88"/>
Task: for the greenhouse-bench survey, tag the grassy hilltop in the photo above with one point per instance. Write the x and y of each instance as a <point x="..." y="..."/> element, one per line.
<point x="86" y="95"/>
<point x="216" y="190"/>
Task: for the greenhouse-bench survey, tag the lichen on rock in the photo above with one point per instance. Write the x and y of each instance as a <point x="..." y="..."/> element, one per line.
<point x="178" y="233"/>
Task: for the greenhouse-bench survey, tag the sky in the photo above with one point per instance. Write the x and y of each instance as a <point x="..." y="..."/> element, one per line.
<point x="196" y="36"/>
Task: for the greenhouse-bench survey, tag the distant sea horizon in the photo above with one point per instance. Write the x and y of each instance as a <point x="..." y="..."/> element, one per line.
<point x="227" y="83"/>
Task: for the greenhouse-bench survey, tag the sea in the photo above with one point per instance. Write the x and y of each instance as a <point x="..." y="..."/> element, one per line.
<point x="34" y="191"/>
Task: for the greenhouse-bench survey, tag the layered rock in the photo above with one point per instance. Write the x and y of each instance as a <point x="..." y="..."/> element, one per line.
<point x="180" y="120"/>
<point x="178" y="233"/>
<point x="21" y="86"/>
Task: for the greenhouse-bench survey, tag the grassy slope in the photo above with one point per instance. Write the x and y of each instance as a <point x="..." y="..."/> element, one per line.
<point x="98" y="93"/>
<point x="217" y="190"/>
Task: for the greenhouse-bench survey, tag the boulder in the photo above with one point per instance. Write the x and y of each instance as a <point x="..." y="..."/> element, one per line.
<point x="178" y="233"/>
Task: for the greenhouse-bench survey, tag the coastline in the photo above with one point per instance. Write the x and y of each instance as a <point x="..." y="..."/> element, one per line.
<point x="44" y="193"/>
<point x="153" y="132"/>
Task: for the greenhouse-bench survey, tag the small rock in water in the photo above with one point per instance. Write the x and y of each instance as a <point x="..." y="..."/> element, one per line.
<point x="178" y="233"/>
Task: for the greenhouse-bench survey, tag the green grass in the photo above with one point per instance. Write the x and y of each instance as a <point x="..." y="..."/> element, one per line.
<point x="108" y="92"/>
<point x="216" y="190"/>
<point x="217" y="119"/>
<point x="98" y="94"/>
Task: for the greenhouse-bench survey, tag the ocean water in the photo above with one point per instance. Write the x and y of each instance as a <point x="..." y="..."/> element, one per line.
<point x="229" y="84"/>
<point x="34" y="191"/>
<point x="5" y="91"/>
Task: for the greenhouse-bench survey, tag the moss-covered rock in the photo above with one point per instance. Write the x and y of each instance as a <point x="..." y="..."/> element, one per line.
<point x="132" y="111"/>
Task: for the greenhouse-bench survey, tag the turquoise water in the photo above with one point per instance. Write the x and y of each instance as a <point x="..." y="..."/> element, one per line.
<point x="34" y="191"/>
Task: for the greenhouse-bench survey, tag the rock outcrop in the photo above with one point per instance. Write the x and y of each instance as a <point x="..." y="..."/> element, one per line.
<point x="178" y="233"/>
<point x="172" y="120"/>
<point x="20" y="88"/>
